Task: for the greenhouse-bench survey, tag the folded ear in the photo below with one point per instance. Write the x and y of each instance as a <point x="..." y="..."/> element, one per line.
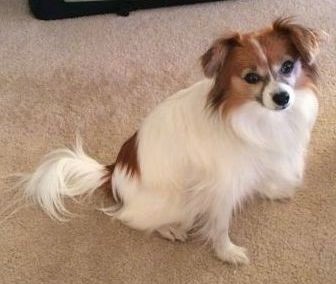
<point x="214" y="58"/>
<point x="306" y="41"/>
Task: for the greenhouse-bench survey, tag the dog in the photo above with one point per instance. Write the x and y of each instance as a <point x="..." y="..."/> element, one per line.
<point x="242" y="131"/>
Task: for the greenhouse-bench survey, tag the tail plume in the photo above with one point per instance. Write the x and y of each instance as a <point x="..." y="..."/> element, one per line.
<point x="64" y="173"/>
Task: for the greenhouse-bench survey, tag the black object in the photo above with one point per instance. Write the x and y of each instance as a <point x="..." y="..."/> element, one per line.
<point x="59" y="9"/>
<point x="281" y="99"/>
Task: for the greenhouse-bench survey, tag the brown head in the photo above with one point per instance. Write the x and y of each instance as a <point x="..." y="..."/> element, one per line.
<point x="265" y="66"/>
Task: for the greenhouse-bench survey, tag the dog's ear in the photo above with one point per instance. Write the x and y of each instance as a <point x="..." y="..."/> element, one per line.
<point x="306" y="41"/>
<point x="215" y="56"/>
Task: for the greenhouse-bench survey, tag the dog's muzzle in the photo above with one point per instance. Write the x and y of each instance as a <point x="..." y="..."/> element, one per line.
<point x="277" y="96"/>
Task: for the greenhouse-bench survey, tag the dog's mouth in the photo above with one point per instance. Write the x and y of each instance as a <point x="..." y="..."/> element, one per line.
<point x="281" y="107"/>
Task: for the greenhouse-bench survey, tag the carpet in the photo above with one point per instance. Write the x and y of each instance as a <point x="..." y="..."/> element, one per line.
<point x="101" y="75"/>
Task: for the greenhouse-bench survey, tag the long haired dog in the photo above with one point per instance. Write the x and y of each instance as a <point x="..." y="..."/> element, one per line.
<point x="242" y="131"/>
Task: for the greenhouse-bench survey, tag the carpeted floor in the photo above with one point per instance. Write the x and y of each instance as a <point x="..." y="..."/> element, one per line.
<point x="102" y="75"/>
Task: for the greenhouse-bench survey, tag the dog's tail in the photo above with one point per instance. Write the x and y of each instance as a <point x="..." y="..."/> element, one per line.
<point x="64" y="173"/>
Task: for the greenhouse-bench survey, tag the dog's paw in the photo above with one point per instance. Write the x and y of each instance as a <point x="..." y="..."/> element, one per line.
<point x="233" y="254"/>
<point x="173" y="233"/>
<point x="272" y="192"/>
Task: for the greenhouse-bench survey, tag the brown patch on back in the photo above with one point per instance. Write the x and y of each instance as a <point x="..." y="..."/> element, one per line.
<point x="128" y="156"/>
<point x="127" y="159"/>
<point x="107" y="185"/>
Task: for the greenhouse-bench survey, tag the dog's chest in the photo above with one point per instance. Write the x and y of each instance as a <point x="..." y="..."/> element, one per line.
<point x="273" y="143"/>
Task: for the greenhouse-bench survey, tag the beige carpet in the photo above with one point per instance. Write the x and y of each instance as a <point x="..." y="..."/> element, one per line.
<point x="102" y="75"/>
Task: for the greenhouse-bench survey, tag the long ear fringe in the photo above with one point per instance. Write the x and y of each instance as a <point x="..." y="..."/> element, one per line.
<point x="306" y="40"/>
<point x="214" y="57"/>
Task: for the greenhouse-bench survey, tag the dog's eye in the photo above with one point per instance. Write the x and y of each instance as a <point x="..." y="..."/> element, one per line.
<point x="287" y="67"/>
<point x="252" y="78"/>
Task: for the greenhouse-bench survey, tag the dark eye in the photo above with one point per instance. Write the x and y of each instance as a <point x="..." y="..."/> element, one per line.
<point x="252" y="78"/>
<point x="287" y="67"/>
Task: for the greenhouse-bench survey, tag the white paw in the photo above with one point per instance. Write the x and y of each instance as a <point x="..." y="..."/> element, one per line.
<point x="173" y="233"/>
<point x="233" y="254"/>
<point x="279" y="194"/>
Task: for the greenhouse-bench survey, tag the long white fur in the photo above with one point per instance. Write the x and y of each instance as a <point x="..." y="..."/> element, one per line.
<point x="195" y="166"/>
<point x="63" y="173"/>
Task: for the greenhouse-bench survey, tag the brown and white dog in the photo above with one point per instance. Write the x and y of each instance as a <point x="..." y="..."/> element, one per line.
<point x="201" y="152"/>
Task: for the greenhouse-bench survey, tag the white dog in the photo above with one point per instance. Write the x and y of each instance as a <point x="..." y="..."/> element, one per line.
<point x="201" y="152"/>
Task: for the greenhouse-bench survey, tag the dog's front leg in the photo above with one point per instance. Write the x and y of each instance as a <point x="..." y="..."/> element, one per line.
<point x="278" y="191"/>
<point x="218" y="233"/>
<point x="285" y="180"/>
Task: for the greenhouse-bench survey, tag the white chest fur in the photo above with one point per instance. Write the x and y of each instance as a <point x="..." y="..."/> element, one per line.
<point x="276" y="141"/>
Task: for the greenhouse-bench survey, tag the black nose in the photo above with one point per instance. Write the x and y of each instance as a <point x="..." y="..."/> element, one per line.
<point x="281" y="99"/>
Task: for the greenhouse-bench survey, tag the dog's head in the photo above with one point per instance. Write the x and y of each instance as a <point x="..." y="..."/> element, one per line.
<point x="266" y="66"/>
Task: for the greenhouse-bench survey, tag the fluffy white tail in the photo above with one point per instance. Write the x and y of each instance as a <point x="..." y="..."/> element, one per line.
<point x="64" y="173"/>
